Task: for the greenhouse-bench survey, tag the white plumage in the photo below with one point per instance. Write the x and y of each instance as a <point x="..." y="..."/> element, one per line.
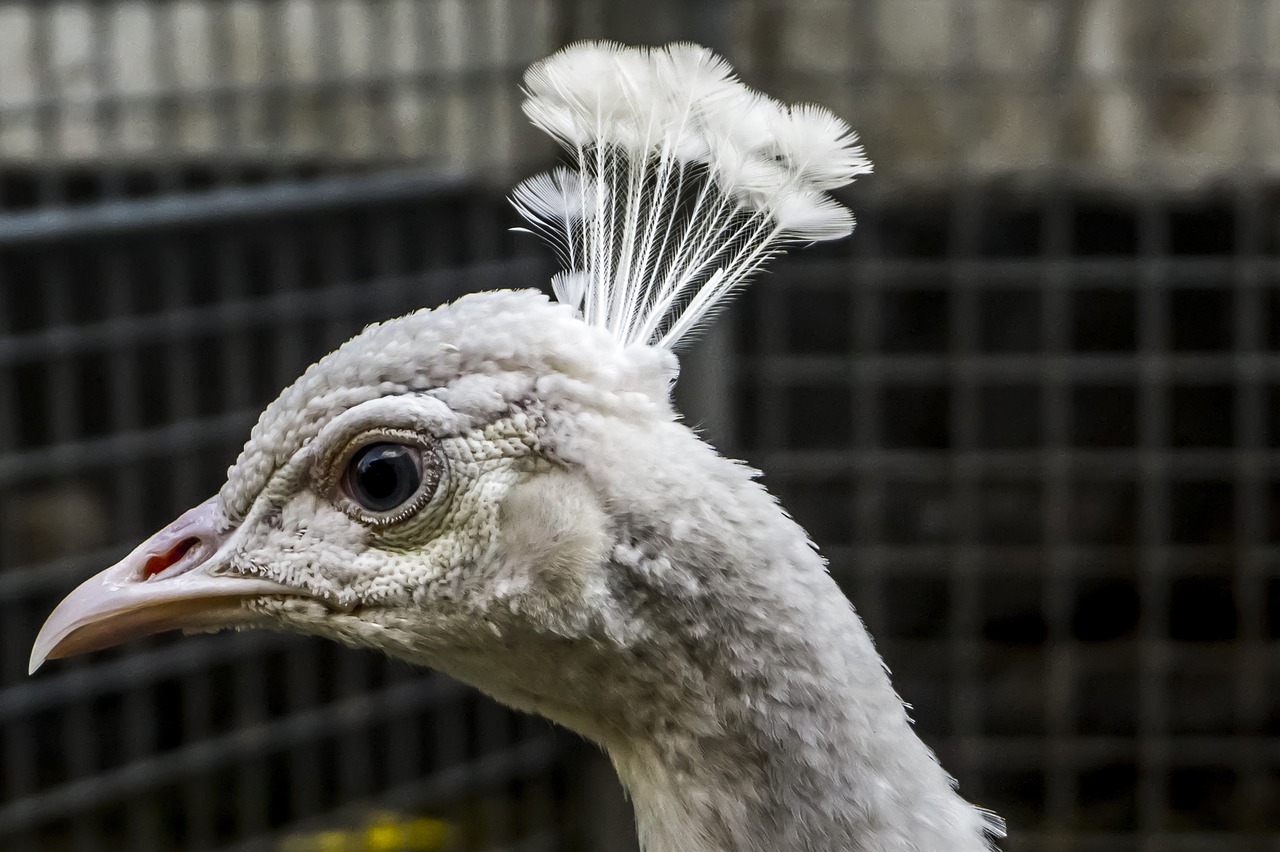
<point x="685" y="183"/>
<point x="500" y="489"/>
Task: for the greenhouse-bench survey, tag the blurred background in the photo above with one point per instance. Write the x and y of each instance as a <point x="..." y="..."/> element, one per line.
<point x="1030" y="412"/>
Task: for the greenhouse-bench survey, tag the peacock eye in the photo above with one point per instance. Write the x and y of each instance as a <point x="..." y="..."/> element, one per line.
<point x="383" y="477"/>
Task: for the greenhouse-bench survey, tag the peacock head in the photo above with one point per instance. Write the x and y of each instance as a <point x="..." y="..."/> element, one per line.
<point x="437" y="488"/>
<point x="459" y="486"/>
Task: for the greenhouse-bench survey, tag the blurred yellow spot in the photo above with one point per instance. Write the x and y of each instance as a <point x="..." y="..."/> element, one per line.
<point x="331" y="841"/>
<point x="383" y="832"/>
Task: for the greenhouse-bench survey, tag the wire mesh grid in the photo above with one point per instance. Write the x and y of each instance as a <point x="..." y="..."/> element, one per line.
<point x="1063" y="541"/>
<point x="191" y="216"/>
<point x="1031" y="412"/>
<point x="130" y="408"/>
<point x="1032" y="421"/>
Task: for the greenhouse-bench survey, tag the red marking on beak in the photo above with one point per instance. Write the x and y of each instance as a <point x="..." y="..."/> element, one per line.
<point x="161" y="562"/>
<point x="165" y="584"/>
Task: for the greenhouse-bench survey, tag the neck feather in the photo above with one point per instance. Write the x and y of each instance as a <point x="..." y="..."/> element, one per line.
<point x="779" y="730"/>
<point x="817" y="755"/>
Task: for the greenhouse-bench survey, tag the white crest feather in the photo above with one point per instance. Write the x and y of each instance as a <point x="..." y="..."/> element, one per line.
<point x="685" y="182"/>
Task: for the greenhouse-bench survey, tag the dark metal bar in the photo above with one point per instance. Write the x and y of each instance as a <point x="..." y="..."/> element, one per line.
<point x="1154" y="530"/>
<point x="1098" y="370"/>
<point x="1103" y="464"/>
<point x="1253" y="688"/>
<point x="136" y="670"/>
<point x="244" y="744"/>
<point x="166" y="441"/>
<point x="1121" y="272"/>
<point x="1062" y="675"/>
<point x="206" y="209"/>
<point x="964" y="611"/>
<point x="250" y="314"/>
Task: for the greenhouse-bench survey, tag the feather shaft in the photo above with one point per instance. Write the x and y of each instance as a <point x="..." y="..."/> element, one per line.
<point x="683" y="183"/>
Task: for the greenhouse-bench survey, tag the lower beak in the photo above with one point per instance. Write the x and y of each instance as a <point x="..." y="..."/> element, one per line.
<point x="165" y="584"/>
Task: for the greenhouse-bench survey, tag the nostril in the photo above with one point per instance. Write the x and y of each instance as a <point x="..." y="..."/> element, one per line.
<point x="163" y="561"/>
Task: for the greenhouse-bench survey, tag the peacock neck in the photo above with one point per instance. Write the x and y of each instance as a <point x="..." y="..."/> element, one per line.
<point x="813" y="752"/>
<point x="744" y="706"/>
<point x="772" y="725"/>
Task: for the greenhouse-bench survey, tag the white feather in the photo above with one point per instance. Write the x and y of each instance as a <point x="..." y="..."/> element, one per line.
<point x="684" y="183"/>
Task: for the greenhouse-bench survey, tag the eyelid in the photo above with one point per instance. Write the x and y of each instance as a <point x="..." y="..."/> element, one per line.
<point x="415" y="413"/>
<point x="333" y="463"/>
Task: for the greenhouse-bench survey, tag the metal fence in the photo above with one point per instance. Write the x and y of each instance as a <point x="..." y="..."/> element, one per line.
<point x="1046" y="475"/>
<point x="1031" y="412"/>
<point x="172" y="253"/>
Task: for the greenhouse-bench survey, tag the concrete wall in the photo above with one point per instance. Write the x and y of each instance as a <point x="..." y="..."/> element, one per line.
<point x="313" y="80"/>
<point x="1179" y="93"/>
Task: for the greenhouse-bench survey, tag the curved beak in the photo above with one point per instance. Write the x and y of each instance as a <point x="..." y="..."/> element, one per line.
<point x="164" y="584"/>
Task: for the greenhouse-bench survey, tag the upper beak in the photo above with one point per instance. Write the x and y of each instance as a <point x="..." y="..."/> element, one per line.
<point x="164" y="584"/>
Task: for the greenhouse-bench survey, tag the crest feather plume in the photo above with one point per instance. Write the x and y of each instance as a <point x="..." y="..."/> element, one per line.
<point x="683" y="183"/>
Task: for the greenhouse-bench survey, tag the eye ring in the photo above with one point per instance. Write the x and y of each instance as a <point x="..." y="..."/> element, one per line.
<point x="386" y="477"/>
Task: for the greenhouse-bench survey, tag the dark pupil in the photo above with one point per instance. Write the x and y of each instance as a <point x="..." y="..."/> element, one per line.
<point x="383" y="476"/>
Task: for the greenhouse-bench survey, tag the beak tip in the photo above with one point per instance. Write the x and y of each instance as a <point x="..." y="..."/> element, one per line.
<point x="125" y="602"/>
<point x="44" y="648"/>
